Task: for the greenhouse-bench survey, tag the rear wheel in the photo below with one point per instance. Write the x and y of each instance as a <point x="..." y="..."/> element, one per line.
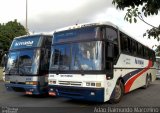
<point x="148" y="81"/>
<point x="118" y="93"/>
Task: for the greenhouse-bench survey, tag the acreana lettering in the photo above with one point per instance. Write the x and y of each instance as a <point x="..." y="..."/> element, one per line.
<point x="137" y="61"/>
<point x="26" y="43"/>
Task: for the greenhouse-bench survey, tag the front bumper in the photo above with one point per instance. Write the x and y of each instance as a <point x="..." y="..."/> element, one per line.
<point x="32" y="89"/>
<point x="79" y="93"/>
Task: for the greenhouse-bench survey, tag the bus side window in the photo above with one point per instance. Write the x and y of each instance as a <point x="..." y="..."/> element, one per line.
<point x="45" y="53"/>
<point x="109" y="56"/>
<point x="134" y="47"/>
<point x="146" y="53"/>
<point x="140" y="50"/>
<point x="124" y="43"/>
<point x="111" y="35"/>
<point x="116" y="51"/>
<point x="44" y="59"/>
<point x="48" y="42"/>
<point x="110" y="50"/>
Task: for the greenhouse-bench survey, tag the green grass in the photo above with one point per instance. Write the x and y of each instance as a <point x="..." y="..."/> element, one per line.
<point x="1" y="73"/>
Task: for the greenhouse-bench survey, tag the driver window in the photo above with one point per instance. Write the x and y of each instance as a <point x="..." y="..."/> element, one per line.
<point x="111" y="35"/>
<point x="109" y="50"/>
<point x="109" y="56"/>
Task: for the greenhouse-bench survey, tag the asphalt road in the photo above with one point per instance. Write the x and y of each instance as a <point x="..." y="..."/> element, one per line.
<point x="149" y="97"/>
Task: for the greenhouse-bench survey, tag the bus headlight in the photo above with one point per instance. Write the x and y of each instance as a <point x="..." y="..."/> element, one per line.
<point x="7" y="81"/>
<point x="32" y="83"/>
<point x="87" y="83"/>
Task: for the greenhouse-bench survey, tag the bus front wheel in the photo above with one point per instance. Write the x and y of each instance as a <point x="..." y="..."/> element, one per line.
<point x="118" y="93"/>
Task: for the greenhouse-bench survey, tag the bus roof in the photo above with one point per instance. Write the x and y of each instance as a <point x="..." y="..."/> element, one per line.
<point x="96" y="24"/>
<point x="85" y="25"/>
<point x="40" y="34"/>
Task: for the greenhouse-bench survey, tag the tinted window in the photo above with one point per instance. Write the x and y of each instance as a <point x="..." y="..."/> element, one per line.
<point x="111" y="35"/>
<point x="134" y="47"/>
<point x="124" y="43"/>
<point x="12" y="63"/>
<point x="140" y="50"/>
<point x="77" y="56"/>
<point x="77" y="34"/>
<point x="23" y="62"/>
<point x="47" y="41"/>
<point x="146" y="53"/>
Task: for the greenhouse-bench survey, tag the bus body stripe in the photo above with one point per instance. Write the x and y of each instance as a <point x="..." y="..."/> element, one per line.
<point x="130" y="82"/>
<point x="131" y="74"/>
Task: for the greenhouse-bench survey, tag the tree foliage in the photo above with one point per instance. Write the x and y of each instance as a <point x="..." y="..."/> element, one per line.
<point x="157" y="51"/>
<point x="9" y="31"/>
<point x="140" y="9"/>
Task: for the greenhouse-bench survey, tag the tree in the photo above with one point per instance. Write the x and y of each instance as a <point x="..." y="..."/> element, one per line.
<point x="9" y="31"/>
<point x="140" y="9"/>
<point x="157" y="51"/>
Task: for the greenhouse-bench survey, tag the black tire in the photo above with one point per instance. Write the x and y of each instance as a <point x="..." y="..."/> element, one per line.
<point x="148" y="82"/>
<point x="118" y="93"/>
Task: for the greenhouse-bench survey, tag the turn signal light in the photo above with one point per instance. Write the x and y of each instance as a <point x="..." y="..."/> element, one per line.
<point x="98" y="84"/>
<point x="32" y="83"/>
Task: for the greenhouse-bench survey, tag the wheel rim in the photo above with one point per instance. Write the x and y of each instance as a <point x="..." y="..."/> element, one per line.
<point x="117" y="92"/>
<point x="149" y="80"/>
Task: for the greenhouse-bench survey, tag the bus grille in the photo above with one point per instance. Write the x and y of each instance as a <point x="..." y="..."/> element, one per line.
<point x="18" y="89"/>
<point x="70" y="83"/>
<point x="17" y="82"/>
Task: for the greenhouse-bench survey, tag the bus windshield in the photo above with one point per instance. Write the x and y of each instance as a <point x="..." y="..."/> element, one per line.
<point x="77" y="56"/>
<point x="23" y="62"/>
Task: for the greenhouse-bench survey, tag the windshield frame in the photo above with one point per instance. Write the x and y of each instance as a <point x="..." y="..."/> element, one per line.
<point x="100" y="37"/>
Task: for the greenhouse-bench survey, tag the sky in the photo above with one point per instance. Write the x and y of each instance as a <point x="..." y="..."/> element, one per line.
<point x="49" y="15"/>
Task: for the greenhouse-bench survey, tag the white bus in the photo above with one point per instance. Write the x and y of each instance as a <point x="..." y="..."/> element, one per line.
<point x="28" y="64"/>
<point x="158" y="67"/>
<point x="98" y="62"/>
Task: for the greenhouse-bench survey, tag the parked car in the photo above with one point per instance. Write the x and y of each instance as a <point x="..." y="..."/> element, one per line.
<point x="158" y="67"/>
<point x="3" y="74"/>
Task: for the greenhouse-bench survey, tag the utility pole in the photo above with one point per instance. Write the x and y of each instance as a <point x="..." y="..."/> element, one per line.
<point x="27" y="15"/>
